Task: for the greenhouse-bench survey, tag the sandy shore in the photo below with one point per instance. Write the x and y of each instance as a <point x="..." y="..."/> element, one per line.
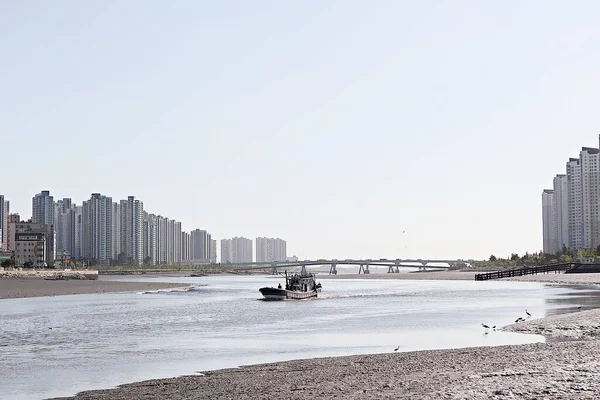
<point x="12" y="288"/>
<point x="565" y="367"/>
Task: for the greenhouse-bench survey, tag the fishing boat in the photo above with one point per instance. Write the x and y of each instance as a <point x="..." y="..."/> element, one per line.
<point x="297" y="287"/>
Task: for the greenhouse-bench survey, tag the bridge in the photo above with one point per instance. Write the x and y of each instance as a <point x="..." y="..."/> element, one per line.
<point x="363" y="265"/>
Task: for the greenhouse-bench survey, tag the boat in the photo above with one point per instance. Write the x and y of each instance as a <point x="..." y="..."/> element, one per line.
<point x="297" y="287"/>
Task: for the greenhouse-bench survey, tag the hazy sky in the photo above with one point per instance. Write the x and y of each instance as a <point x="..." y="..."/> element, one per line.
<point x="335" y="125"/>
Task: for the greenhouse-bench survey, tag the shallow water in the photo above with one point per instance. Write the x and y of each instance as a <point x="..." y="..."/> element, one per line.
<point x="102" y="340"/>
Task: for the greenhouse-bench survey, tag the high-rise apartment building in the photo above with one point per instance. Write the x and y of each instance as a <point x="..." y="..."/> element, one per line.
<point x="213" y="251"/>
<point x="150" y="239"/>
<point x="269" y="249"/>
<point x="236" y="250"/>
<point x="201" y="246"/>
<point x="77" y="252"/>
<point x="177" y="256"/>
<point x="589" y="160"/>
<point x="185" y="246"/>
<point x="573" y="220"/>
<point x="561" y="211"/>
<point x="42" y="210"/>
<point x="64" y="218"/>
<point x="575" y="213"/>
<point x="226" y="251"/>
<point x="4" y="213"/>
<point x="132" y="235"/>
<point x="97" y="229"/>
<point x="116" y="232"/>
<point x="548" y="221"/>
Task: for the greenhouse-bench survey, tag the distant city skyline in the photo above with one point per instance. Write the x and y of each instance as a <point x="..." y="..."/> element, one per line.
<point x="571" y="209"/>
<point x="335" y="125"/>
<point x="109" y="231"/>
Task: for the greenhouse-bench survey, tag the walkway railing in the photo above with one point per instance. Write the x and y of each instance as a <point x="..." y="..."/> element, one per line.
<point x="541" y="269"/>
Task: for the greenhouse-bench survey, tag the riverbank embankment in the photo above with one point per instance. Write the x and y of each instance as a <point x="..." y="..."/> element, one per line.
<point x="563" y="368"/>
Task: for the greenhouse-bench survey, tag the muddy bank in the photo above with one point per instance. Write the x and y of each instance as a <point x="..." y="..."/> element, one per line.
<point x="12" y="288"/>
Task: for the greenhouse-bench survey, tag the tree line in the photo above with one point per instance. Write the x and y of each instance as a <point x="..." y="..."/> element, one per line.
<point x="565" y="255"/>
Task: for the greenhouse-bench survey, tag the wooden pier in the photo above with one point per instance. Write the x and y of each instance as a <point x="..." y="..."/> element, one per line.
<point x="540" y="269"/>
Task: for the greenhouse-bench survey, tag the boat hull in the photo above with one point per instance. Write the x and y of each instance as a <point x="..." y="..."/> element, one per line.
<point x="282" y="294"/>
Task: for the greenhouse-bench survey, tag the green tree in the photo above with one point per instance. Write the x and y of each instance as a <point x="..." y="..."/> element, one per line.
<point x="514" y="257"/>
<point x="147" y="260"/>
<point x="493" y="258"/>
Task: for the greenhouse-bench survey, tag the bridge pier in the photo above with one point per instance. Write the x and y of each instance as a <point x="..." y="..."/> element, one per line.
<point x="364" y="268"/>
<point x="273" y="269"/>
<point x="332" y="270"/>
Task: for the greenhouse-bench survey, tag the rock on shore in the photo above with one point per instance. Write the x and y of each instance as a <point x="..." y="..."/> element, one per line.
<point x="50" y="274"/>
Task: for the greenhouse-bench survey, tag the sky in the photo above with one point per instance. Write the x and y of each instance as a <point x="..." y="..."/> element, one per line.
<point x="351" y="129"/>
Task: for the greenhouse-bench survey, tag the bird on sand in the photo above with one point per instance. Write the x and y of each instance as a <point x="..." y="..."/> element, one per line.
<point x="579" y="308"/>
<point x="396" y="349"/>
<point x="527" y="312"/>
<point x="494" y="327"/>
<point x="519" y="320"/>
<point x="485" y="326"/>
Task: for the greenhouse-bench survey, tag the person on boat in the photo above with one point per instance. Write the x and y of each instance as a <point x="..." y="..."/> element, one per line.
<point x="279" y="286"/>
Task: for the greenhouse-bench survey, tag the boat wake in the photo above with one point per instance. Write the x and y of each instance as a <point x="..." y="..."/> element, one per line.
<point x="184" y="289"/>
<point x="366" y="295"/>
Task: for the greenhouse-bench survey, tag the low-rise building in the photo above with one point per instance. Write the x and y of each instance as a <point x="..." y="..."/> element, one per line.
<point x="30" y="249"/>
<point x="16" y="227"/>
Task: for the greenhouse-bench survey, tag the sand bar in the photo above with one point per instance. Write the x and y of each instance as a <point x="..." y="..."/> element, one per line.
<point x="12" y="288"/>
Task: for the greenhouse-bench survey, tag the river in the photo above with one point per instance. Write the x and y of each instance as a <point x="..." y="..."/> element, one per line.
<point x="57" y="346"/>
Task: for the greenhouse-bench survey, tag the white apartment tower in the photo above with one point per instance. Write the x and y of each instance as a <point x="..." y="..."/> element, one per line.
<point x="132" y="235"/>
<point x="269" y="249"/>
<point x="561" y="211"/>
<point x="226" y="252"/>
<point x="185" y="246"/>
<point x="236" y="250"/>
<point x="97" y="223"/>
<point x="575" y="213"/>
<point x="589" y="162"/>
